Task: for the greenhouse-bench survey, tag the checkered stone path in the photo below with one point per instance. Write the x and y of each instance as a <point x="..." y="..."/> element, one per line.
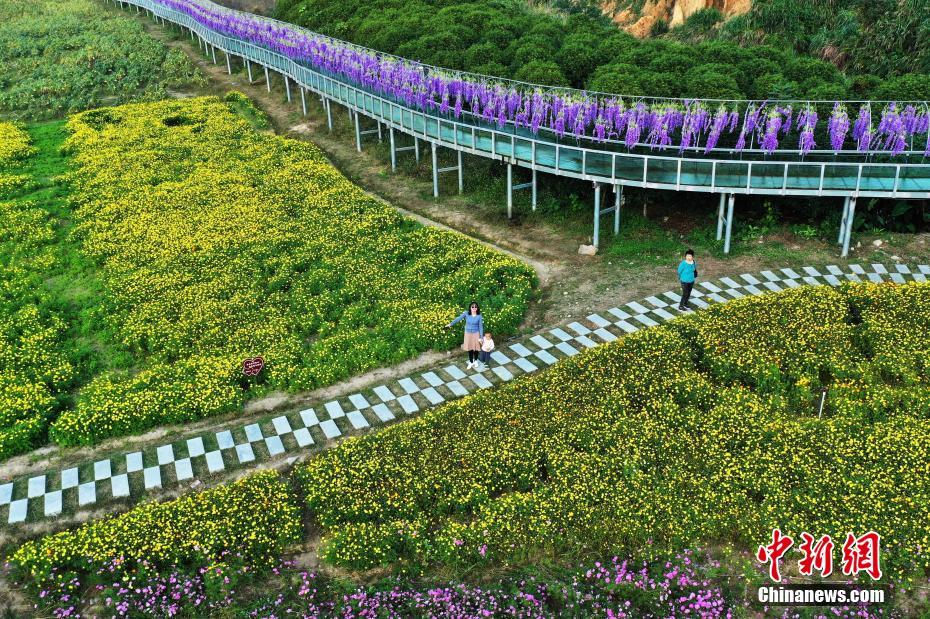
<point x="132" y="474"/>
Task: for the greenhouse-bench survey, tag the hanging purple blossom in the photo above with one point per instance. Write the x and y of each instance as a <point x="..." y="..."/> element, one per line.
<point x="862" y="130"/>
<point x="838" y="126"/>
<point x="807" y="121"/>
<point x="721" y="118"/>
<point x="580" y="114"/>
<point x="772" y="127"/>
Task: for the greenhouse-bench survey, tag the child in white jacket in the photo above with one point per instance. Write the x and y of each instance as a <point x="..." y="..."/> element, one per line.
<point x="487" y="345"/>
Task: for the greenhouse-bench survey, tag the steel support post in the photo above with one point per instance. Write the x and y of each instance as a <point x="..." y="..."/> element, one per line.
<point x="849" y="223"/>
<point x="533" y="192"/>
<point x="228" y="64"/>
<point x="287" y="87"/>
<point x="213" y="51"/>
<point x="303" y="100"/>
<point x="358" y="133"/>
<point x="435" y="170"/>
<point x="729" y="230"/>
<point x="618" y="201"/>
<point x="416" y="149"/>
<point x="842" y="234"/>
<point x="267" y="79"/>
<point x="509" y="190"/>
<point x="597" y="214"/>
<point x="393" y="151"/>
<point x="329" y="114"/>
<point x="723" y="198"/>
<point x="461" y="174"/>
<point x="248" y="67"/>
<point x="379" y="132"/>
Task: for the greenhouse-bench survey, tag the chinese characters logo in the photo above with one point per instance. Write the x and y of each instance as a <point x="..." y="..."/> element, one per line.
<point x="859" y="554"/>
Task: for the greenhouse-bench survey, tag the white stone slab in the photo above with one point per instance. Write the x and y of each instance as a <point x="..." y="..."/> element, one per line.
<point x="407" y="403"/>
<point x="253" y="433"/>
<point x="225" y="440"/>
<point x="245" y="453"/>
<point x="334" y="408"/>
<point x="357" y="419"/>
<point x="408" y="385"/>
<point x="303" y="437"/>
<point x="433" y="396"/>
<point x="183" y="469"/>
<point x="281" y="425"/>
<point x="6" y="493"/>
<point x="383" y="413"/>
<point x="102" y="470"/>
<point x="119" y="485"/>
<point x="87" y="493"/>
<point x="195" y="447"/>
<point x="330" y="429"/>
<point x="454" y="386"/>
<point x="597" y="320"/>
<point x="215" y="461"/>
<point x="432" y="378"/>
<point x="359" y="401"/>
<point x="540" y="341"/>
<point x="53" y="503"/>
<point x="18" y="511"/>
<point x="309" y="417"/>
<point x="165" y="454"/>
<point x="134" y="462"/>
<point x="152" y="477"/>
<point x="69" y="479"/>
<point x="275" y="446"/>
<point x="36" y="487"/>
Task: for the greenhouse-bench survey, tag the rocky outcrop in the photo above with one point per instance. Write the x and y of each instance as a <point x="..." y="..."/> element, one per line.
<point x="674" y="12"/>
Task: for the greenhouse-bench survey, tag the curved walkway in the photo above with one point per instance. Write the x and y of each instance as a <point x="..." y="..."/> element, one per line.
<point x="847" y="174"/>
<point x="129" y="477"/>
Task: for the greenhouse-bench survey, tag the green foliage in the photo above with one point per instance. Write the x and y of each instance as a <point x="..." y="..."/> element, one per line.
<point x="62" y="57"/>
<point x="705" y="429"/>
<point x="584" y="49"/>
<point x="887" y="38"/>
<point x="542" y="72"/>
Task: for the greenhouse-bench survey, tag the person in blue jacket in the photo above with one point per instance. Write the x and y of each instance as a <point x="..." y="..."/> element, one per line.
<point x="474" y="332"/>
<point x="687" y="273"/>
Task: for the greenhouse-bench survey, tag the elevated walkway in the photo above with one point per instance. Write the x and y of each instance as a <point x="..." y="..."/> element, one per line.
<point x="847" y="175"/>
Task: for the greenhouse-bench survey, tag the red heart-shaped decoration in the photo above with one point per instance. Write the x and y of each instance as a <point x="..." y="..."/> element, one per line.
<point x="251" y="367"/>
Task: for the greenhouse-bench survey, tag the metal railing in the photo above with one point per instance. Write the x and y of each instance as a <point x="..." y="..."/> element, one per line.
<point x="554" y="156"/>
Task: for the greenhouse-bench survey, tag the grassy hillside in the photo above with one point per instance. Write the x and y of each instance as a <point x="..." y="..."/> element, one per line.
<point x="883" y="45"/>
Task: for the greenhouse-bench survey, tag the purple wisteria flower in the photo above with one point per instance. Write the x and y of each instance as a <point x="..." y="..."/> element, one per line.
<point x="838" y="126"/>
<point x="653" y="123"/>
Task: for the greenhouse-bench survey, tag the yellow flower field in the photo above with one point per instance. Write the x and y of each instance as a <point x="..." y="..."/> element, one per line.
<point x="649" y="444"/>
<point x="14" y="143"/>
<point x="255" y="516"/>
<point x="217" y="243"/>
<point x="702" y="430"/>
